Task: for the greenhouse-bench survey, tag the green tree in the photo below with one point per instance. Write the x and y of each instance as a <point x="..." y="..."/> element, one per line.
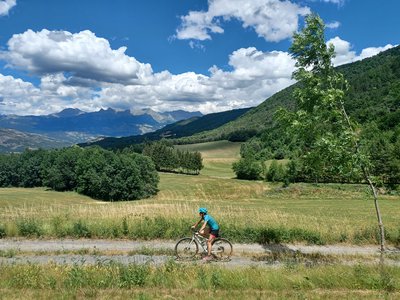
<point x="105" y="175"/>
<point x="167" y="158"/>
<point x="8" y="170"/>
<point x="29" y="168"/>
<point x="247" y="168"/>
<point x="329" y="142"/>
<point x="59" y="169"/>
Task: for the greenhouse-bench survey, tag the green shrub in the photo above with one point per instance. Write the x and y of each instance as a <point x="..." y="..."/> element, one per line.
<point x="366" y="235"/>
<point x="133" y="275"/>
<point x="29" y="227"/>
<point x="272" y="235"/>
<point x="59" y="226"/>
<point x="276" y="172"/>
<point x="80" y="229"/>
<point x="77" y="277"/>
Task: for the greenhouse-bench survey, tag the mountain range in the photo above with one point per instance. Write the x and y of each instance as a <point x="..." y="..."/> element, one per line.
<point x="183" y="128"/>
<point x="71" y="126"/>
<point x="373" y="97"/>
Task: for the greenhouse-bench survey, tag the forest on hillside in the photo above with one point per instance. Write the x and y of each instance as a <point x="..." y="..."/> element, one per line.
<point x="371" y="101"/>
<point x="373" y="97"/>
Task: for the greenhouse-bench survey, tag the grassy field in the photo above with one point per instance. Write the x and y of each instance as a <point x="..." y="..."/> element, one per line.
<point x="247" y="211"/>
<point x="217" y="157"/>
<point x="179" y="281"/>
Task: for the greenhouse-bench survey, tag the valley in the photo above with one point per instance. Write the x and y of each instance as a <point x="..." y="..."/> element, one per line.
<point x="280" y="235"/>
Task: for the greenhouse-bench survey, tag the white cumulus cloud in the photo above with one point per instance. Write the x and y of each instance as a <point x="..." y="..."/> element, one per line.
<point x="82" y="55"/>
<point x="21" y="97"/>
<point x="274" y="20"/>
<point x="333" y="25"/>
<point x="345" y="54"/>
<point x="82" y="71"/>
<point x="371" y="51"/>
<point x="254" y="76"/>
<point x="6" y="5"/>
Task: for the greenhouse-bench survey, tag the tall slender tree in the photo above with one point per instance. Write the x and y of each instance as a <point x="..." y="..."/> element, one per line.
<point x="329" y="139"/>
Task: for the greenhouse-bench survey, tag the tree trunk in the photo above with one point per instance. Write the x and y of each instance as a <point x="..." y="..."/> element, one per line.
<point x="371" y="185"/>
<point x="378" y="214"/>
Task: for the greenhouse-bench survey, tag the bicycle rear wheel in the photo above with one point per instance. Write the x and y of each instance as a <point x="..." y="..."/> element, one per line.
<point x="186" y="248"/>
<point x="222" y="249"/>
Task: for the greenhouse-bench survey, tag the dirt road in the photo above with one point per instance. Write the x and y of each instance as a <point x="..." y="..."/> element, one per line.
<point x="90" y="251"/>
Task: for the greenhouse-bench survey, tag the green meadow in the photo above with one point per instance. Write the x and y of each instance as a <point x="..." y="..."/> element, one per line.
<point x="248" y="211"/>
<point x="180" y="281"/>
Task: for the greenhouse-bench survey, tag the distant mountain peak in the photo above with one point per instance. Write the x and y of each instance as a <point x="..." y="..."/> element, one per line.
<point x="69" y="112"/>
<point x="142" y="111"/>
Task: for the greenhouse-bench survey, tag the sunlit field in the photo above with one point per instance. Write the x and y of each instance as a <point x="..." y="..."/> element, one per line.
<point x="217" y="157"/>
<point x="248" y="211"/>
<point x="180" y="281"/>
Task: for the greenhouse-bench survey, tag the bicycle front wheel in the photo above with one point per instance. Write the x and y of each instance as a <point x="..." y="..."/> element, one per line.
<point x="221" y="248"/>
<point x="186" y="248"/>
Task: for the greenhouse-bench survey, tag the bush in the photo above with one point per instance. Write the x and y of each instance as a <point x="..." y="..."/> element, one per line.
<point x="272" y="235"/>
<point x="133" y="275"/>
<point x="275" y="172"/>
<point x="29" y="227"/>
<point x="292" y="171"/>
<point x="247" y="168"/>
<point x="280" y="234"/>
<point x="80" y="229"/>
<point x="58" y="225"/>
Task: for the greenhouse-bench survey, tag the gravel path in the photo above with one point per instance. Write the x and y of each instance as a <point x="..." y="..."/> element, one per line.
<point x="25" y="245"/>
<point x="32" y="251"/>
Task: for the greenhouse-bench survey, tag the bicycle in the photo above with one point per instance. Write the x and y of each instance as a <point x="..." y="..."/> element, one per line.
<point x="188" y="247"/>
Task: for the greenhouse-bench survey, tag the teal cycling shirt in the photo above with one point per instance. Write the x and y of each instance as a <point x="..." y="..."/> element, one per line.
<point x="211" y="222"/>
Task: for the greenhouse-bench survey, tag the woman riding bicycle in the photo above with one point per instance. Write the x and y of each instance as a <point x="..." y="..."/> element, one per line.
<point x="209" y="229"/>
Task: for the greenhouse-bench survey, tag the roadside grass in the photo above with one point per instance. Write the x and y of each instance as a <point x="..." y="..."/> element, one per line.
<point x="192" y="294"/>
<point x="248" y="211"/>
<point x="189" y="281"/>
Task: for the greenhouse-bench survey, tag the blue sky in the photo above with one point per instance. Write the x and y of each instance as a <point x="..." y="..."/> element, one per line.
<point x="169" y="54"/>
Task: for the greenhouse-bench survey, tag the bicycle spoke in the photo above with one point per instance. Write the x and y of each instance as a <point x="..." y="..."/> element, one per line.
<point x="186" y="248"/>
<point x="222" y="249"/>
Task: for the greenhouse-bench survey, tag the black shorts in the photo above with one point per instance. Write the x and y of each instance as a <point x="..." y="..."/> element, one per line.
<point x="215" y="233"/>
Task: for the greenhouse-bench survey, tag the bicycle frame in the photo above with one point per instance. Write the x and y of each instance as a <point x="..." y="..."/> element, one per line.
<point x="201" y="240"/>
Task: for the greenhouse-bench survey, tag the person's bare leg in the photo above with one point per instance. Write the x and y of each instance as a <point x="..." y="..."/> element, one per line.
<point x="209" y="244"/>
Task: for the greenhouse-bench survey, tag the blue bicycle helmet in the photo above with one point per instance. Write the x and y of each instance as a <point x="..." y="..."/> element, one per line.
<point x="203" y="210"/>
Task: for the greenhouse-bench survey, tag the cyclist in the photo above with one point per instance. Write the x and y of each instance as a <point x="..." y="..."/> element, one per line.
<point x="209" y="229"/>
